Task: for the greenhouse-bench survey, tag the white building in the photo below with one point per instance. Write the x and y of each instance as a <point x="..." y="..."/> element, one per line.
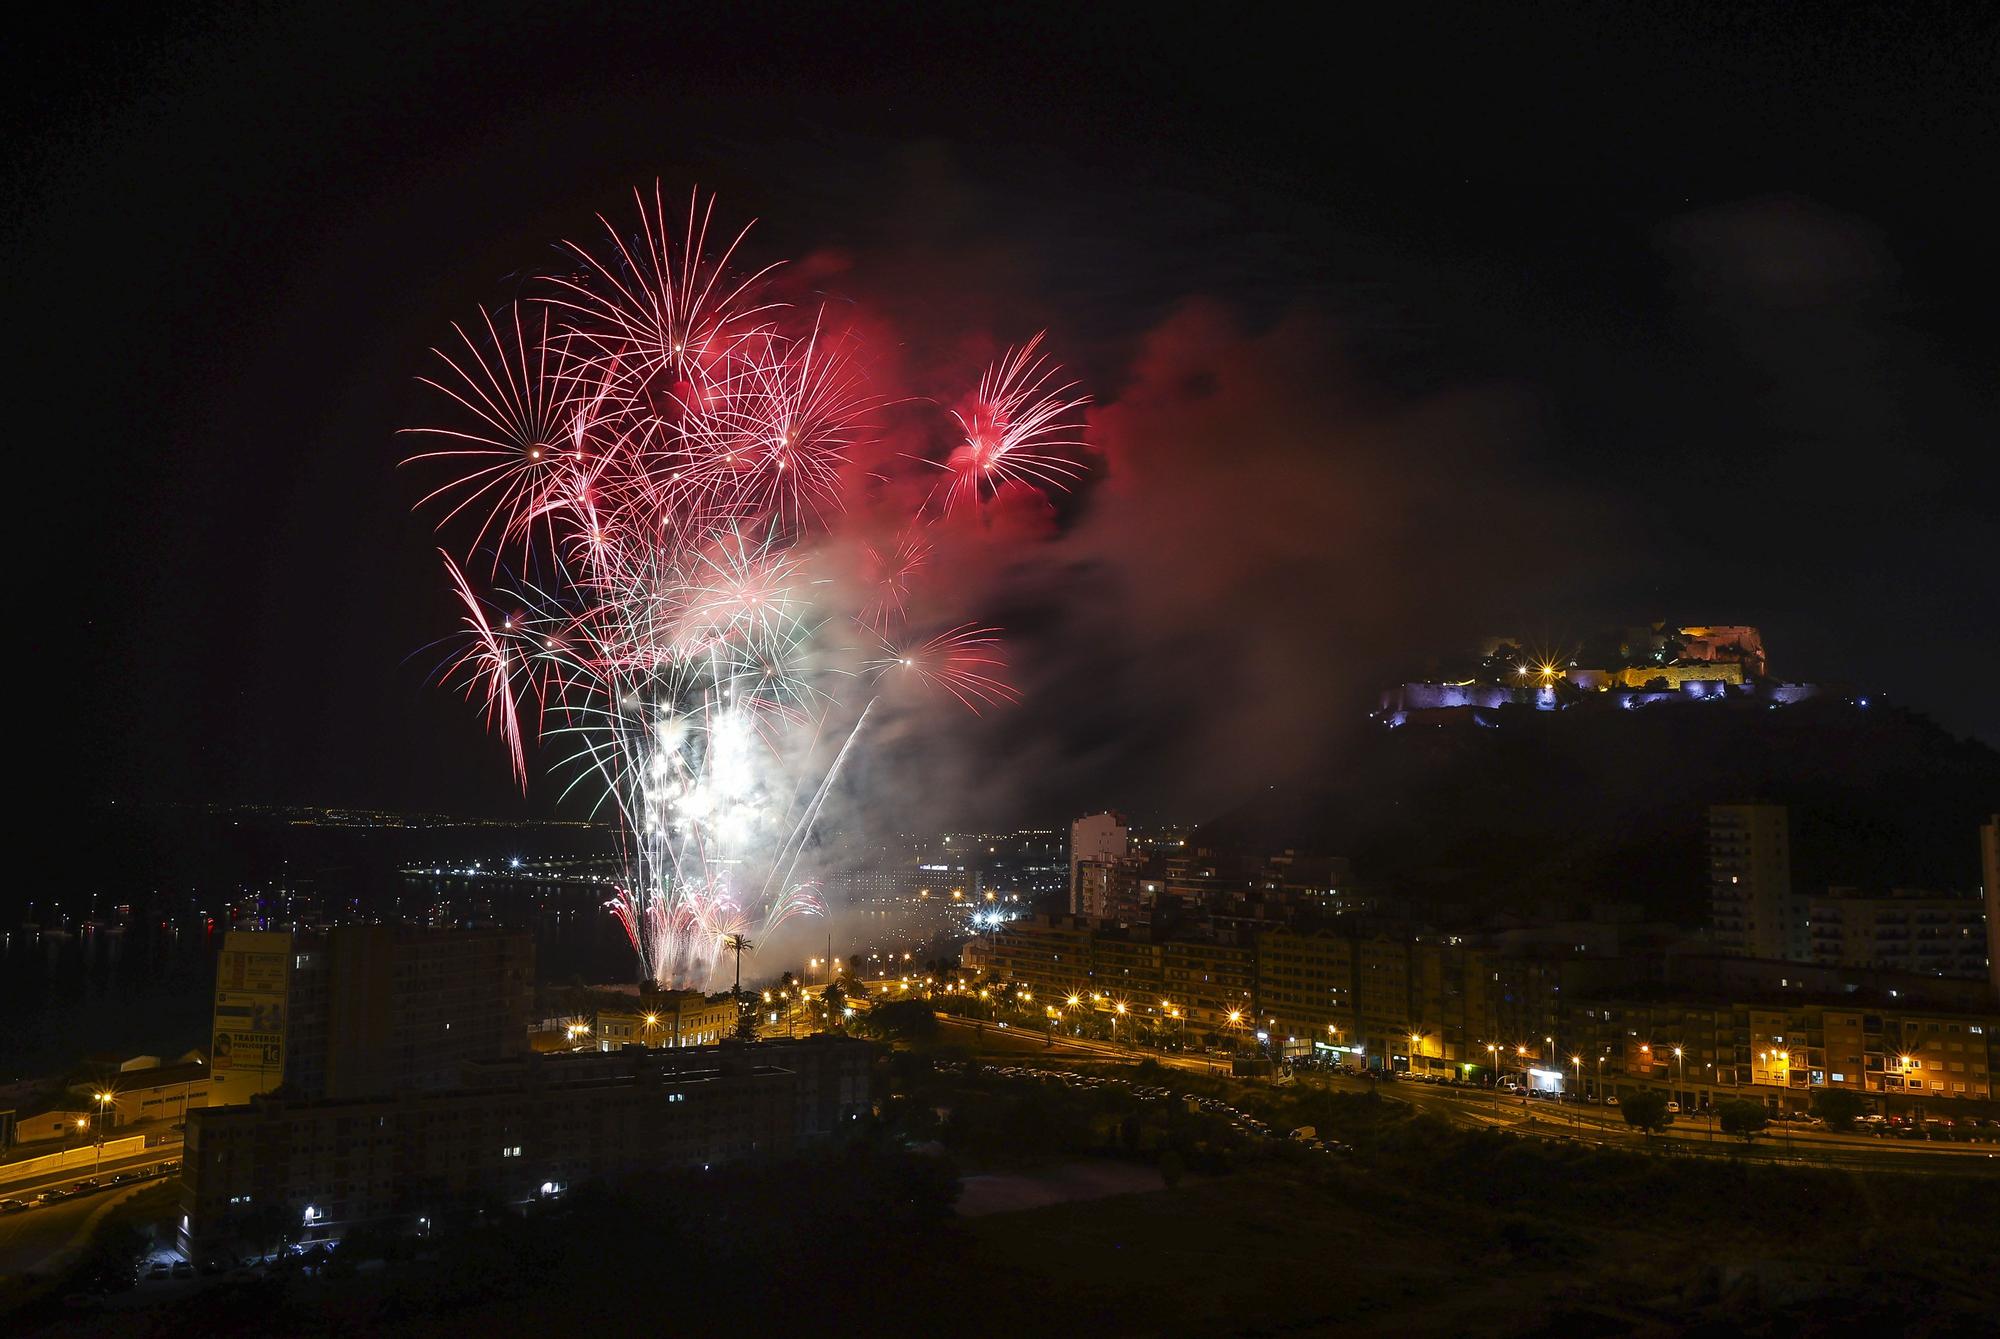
<point x="1100" y="838"/>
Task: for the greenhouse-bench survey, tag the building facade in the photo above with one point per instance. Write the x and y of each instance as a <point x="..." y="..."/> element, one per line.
<point x="1753" y="910"/>
<point x="1100" y="838"/>
<point x="364" y="1010"/>
<point x="1437" y="1004"/>
<point x="514" y="1131"/>
<point x="1785" y="1055"/>
<point x="668" y="1018"/>
<point x="1989" y="872"/>
<point x="1929" y="933"/>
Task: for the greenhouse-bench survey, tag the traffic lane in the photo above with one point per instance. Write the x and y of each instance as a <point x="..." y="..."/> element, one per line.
<point x="69" y="1176"/>
<point x="1030" y="1039"/>
<point x="1687" y="1125"/>
<point x="1551" y="1120"/>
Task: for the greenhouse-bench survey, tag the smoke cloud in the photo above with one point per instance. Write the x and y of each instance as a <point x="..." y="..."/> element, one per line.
<point x="1261" y="540"/>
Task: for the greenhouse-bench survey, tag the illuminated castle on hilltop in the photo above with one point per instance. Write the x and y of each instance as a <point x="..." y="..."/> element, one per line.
<point x="1626" y="668"/>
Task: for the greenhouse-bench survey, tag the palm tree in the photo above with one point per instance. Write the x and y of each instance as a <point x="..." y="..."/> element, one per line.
<point x="746" y="1020"/>
<point x="736" y="944"/>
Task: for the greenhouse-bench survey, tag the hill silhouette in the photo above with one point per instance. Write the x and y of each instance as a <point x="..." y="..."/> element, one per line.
<point x="1559" y="810"/>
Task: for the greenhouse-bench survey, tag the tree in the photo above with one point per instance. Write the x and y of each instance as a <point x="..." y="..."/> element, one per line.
<point x="1839" y="1107"/>
<point x="1647" y="1111"/>
<point x="269" y="1227"/>
<point x="835" y="999"/>
<point x="1743" y="1118"/>
<point x="737" y="944"/>
<point x="746" y="1023"/>
<point x="900" y="1020"/>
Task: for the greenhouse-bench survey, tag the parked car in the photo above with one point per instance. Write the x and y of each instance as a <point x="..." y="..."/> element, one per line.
<point x="1611" y="1099"/>
<point x="183" y="1270"/>
<point x="162" y="1270"/>
<point x="12" y="1206"/>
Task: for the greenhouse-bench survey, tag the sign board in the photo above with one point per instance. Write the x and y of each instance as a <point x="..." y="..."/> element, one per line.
<point x="252" y="980"/>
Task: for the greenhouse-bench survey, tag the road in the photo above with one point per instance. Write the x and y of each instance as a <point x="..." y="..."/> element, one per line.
<point x="1471" y="1106"/>
<point x="29" y="1187"/>
<point x="1075" y="1048"/>
<point x="1600" y="1126"/>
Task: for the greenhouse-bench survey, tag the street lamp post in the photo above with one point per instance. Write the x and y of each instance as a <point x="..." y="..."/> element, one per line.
<point x="1784" y="1104"/>
<point x="1576" y="1064"/>
<point x="97" y="1163"/>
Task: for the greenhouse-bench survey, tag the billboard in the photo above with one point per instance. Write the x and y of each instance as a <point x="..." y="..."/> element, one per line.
<point x="252" y="980"/>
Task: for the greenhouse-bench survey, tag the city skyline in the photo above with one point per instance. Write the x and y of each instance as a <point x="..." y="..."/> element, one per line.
<point x="1125" y="669"/>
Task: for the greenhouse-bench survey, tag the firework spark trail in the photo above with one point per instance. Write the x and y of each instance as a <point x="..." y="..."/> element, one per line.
<point x="964" y="662"/>
<point x="1018" y="428"/>
<point x="660" y="449"/>
<point x="891" y="572"/>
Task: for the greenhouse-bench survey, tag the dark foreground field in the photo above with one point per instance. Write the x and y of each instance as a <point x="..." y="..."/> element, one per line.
<point x="1421" y="1229"/>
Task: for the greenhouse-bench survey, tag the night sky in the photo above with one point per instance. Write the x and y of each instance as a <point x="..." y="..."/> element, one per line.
<point x="1398" y="337"/>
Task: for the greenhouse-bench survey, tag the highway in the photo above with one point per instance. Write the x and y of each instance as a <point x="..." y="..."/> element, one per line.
<point x="1600" y="1126"/>
<point x="1023" y="1039"/>
<point x="1690" y="1135"/>
<point x="29" y="1187"/>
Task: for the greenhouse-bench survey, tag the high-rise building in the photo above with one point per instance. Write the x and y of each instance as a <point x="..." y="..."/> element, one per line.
<point x="1753" y="910"/>
<point x="1111" y="889"/>
<point x="365" y="1010"/>
<point x="1989" y="873"/>
<point x="1103" y="838"/>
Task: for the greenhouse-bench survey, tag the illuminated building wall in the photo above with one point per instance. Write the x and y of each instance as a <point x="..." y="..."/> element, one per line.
<point x="667" y="1019"/>
<point x="1783" y="1055"/>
